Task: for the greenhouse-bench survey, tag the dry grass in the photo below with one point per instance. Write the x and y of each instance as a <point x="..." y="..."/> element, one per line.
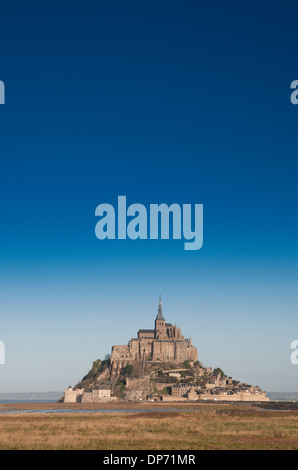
<point x="233" y="429"/>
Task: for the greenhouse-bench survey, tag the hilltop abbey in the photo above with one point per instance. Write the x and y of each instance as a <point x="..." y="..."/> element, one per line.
<point x="160" y="364"/>
<point x="165" y="343"/>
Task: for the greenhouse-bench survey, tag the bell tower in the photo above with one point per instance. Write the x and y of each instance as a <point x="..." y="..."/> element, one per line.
<point x="160" y="323"/>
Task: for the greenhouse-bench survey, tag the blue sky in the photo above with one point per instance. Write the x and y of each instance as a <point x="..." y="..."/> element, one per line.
<point x="161" y="102"/>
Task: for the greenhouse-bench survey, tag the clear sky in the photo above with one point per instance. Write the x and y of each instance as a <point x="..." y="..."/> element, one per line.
<point x="185" y="102"/>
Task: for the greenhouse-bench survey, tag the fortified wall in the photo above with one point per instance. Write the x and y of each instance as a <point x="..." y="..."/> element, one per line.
<point x="100" y="395"/>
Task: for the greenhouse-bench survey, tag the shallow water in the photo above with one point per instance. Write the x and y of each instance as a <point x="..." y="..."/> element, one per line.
<point x="114" y="410"/>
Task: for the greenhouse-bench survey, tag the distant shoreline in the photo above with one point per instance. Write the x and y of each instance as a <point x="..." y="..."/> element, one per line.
<point x="19" y="397"/>
<point x="20" y="402"/>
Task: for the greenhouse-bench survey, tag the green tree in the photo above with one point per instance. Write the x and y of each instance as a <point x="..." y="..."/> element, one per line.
<point x="218" y="371"/>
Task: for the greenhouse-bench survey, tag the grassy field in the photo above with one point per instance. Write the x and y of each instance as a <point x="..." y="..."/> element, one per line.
<point x="212" y="427"/>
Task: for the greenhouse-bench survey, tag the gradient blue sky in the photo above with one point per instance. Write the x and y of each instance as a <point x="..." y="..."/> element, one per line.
<point x="161" y="102"/>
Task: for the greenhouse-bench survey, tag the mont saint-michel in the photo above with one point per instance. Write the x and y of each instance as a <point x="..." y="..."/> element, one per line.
<point x="158" y="365"/>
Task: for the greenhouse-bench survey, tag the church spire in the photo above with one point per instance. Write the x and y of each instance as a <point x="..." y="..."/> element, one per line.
<point x="160" y="315"/>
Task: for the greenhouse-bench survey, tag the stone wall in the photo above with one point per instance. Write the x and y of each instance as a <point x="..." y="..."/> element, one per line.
<point x="150" y="349"/>
<point x="236" y="397"/>
<point x="242" y="396"/>
<point x="172" y="398"/>
<point x="97" y="396"/>
<point x="137" y="388"/>
<point x="72" y="396"/>
<point x="80" y="396"/>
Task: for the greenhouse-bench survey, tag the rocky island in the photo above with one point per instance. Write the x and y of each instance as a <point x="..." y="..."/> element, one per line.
<point x="159" y="365"/>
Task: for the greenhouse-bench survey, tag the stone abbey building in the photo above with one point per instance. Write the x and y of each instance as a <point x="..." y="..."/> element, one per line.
<point x="165" y="343"/>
